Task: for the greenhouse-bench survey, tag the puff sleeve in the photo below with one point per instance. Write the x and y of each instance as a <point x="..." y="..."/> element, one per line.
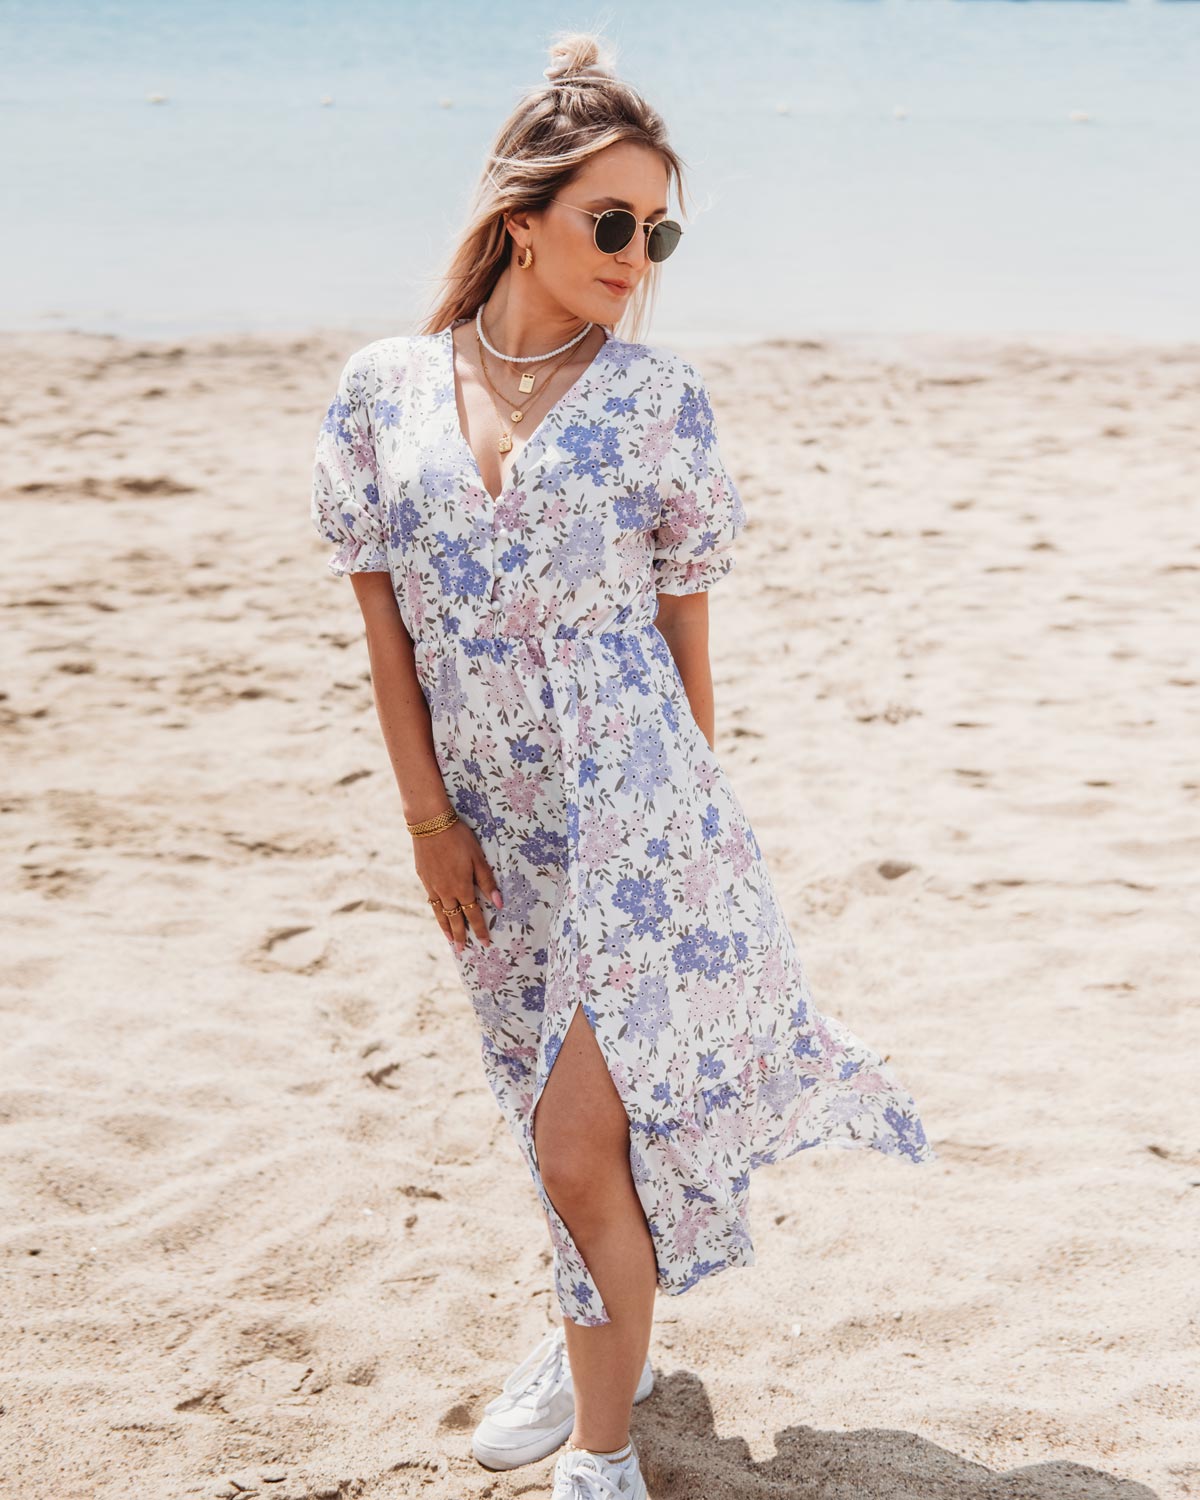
<point x="346" y="507"/>
<point x="702" y="513"/>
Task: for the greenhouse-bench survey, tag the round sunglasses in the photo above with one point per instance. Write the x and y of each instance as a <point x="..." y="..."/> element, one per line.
<point x="616" y="227"/>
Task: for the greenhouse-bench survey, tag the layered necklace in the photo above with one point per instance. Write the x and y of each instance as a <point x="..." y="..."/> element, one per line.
<point x="527" y="387"/>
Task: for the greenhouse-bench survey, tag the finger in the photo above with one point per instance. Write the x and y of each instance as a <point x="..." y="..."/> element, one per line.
<point x="458" y="927"/>
<point x="435" y="907"/>
<point x="478" y="920"/>
<point x="470" y="909"/>
<point x="487" y="883"/>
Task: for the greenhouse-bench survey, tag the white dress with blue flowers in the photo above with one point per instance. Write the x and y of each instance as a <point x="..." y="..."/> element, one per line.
<point x="632" y="881"/>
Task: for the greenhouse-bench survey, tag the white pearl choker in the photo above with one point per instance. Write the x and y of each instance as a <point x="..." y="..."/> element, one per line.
<point x="526" y="359"/>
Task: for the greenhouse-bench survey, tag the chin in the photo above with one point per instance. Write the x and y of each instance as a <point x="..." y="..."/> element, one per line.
<point x="609" y="309"/>
<point x="602" y="304"/>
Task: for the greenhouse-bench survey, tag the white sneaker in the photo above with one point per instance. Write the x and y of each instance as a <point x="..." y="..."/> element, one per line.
<point x="579" y="1475"/>
<point x="535" y="1411"/>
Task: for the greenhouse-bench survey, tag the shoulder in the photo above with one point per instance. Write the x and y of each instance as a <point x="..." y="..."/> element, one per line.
<point x="656" y="362"/>
<point x="356" y="383"/>
<point x="672" y="363"/>
<point x="686" y="374"/>
<point x="377" y="369"/>
<point x="364" y="362"/>
<point x="392" y="349"/>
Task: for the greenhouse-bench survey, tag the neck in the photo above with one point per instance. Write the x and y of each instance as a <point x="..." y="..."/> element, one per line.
<point x="522" y="322"/>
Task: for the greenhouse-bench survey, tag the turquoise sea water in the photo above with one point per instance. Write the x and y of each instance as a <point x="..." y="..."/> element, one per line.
<point x="862" y="165"/>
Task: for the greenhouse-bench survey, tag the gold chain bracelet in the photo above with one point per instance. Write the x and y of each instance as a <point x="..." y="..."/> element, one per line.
<point x="433" y="825"/>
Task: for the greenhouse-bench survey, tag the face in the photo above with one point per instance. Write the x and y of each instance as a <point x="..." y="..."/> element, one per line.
<point x="570" y="269"/>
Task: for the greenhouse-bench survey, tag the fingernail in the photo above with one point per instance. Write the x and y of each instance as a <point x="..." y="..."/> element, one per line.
<point x="496" y="901"/>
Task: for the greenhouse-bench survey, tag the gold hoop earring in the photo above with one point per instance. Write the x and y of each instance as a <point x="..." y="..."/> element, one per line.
<point x="527" y="259"/>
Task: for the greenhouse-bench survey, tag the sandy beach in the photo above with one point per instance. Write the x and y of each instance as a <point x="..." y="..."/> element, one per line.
<point x="265" y="1233"/>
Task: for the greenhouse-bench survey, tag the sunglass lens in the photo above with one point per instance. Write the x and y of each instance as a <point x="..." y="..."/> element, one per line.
<point x="614" y="230"/>
<point x="663" y="239"/>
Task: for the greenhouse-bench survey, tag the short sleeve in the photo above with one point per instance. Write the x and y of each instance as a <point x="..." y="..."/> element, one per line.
<point x="346" y="507"/>
<point x="702" y="513"/>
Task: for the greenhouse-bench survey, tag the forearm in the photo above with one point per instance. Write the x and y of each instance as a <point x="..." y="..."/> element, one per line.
<point x="407" y="730"/>
<point x="687" y="640"/>
<point x="402" y="709"/>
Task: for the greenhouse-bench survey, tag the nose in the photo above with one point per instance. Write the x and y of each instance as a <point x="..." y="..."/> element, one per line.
<point x="634" y="256"/>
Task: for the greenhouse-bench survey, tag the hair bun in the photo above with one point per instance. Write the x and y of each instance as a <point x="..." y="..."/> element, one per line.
<point x="564" y="73"/>
<point x="577" y="55"/>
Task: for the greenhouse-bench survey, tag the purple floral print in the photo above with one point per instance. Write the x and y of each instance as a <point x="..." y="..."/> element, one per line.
<point x="633" y="883"/>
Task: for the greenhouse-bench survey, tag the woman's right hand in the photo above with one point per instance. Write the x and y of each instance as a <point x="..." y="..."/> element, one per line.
<point x="450" y="865"/>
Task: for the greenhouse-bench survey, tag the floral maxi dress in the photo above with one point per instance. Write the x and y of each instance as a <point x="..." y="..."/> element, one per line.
<point x="632" y="882"/>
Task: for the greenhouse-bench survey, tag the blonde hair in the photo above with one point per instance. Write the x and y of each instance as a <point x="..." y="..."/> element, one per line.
<point x="581" y="108"/>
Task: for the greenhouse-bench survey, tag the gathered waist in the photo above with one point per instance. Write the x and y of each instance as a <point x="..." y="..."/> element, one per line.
<point x="554" y="671"/>
<point x="552" y="642"/>
<point x="559" y="630"/>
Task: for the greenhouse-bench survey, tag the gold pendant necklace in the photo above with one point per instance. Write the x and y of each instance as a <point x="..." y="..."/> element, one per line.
<point x="516" y="413"/>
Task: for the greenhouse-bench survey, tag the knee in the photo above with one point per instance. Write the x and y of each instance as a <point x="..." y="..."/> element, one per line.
<point x="578" y="1173"/>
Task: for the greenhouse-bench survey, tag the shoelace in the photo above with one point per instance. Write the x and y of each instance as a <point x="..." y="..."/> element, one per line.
<point x="587" y="1481"/>
<point x="536" y="1377"/>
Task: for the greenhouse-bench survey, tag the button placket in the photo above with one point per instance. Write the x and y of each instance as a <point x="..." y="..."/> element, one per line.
<point x="495" y="532"/>
<point x="501" y="539"/>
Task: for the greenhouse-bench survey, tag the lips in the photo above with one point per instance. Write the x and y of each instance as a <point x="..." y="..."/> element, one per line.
<point x="619" y="287"/>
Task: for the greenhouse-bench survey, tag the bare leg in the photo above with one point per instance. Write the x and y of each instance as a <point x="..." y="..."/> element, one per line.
<point x="581" y="1136"/>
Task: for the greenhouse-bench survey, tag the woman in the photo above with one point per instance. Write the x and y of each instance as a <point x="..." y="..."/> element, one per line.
<point x="532" y="510"/>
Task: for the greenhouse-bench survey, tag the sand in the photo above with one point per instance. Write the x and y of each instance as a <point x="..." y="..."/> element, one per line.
<point x="265" y="1232"/>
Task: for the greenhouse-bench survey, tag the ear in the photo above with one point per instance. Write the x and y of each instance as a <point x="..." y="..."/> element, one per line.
<point x="522" y="221"/>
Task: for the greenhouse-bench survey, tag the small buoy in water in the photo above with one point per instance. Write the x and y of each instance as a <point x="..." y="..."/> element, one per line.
<point x="156" y="98"/>
<point x="445" y="103"/>
<point x="1080" y="116"/>
<point x="326" y="100"/>
<point x="783" y="109"/>
<point x="899" y="112"/>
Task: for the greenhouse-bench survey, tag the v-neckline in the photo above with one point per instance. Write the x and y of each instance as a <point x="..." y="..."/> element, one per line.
<point x="569" y="394"/>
